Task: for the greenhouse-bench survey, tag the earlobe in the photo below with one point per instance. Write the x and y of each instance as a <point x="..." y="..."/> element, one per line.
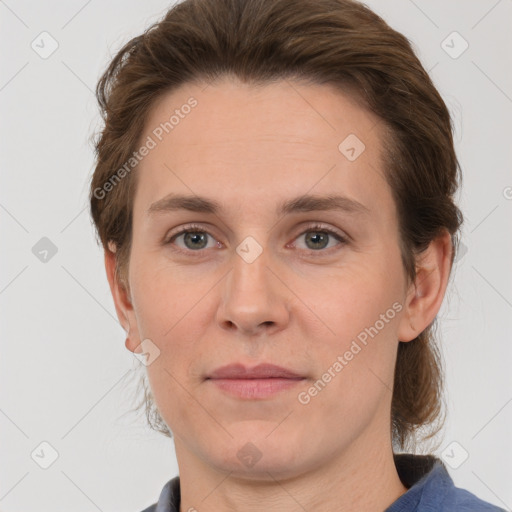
<point x="122" y="302"/>
<point x="407" y="330"/>
<point x="426" y="294"/>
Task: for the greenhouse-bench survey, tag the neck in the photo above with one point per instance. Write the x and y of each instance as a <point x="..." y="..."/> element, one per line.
<point x="358" y="479"/>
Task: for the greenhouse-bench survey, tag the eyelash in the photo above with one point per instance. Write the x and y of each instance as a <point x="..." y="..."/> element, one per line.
<point x="195" y="228"/>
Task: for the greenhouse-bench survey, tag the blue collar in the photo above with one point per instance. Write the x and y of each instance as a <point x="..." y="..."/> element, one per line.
<point x="431" y="489"/>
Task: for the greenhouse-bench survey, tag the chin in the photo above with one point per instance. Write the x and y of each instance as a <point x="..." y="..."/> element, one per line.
<point x="255" y="456"/>
<point x="278" y="467"/>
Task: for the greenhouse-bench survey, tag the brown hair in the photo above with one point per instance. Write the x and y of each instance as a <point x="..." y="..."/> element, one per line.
<point x="337" y="42"/>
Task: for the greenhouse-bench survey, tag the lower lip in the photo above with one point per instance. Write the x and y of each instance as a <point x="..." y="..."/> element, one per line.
<point x="255" y="388"/>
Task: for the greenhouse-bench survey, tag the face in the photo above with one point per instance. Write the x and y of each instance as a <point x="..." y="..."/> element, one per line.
<point x="268" y="277"/>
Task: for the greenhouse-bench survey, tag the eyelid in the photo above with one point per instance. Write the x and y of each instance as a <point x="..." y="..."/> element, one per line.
<point x="321" y="226"/>
<point x="183" y="229"/>
<point x="342" y="237"/>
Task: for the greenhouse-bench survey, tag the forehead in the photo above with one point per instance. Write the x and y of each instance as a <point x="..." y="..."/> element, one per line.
<point x="246" y="144"/>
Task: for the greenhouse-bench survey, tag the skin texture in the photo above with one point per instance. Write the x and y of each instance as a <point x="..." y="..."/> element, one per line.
<point x="296" y="305"/>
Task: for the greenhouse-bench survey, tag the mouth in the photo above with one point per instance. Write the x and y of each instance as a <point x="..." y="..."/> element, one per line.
<point x="260" y="382"/>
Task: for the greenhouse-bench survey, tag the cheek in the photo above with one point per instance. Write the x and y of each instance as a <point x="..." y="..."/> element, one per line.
<point x="174" y="396"/>
<point x="167" y="305"/>
<point x="161" y="297"/>
<point x="356" y="301"/>
<point x="355" y="365"/>
<point x="360" y="313"/>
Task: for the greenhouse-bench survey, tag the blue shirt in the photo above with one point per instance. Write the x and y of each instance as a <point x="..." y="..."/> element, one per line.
<point x="430" y="489"/>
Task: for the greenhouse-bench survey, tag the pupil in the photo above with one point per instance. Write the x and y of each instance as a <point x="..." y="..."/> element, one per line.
<point x="193" y="236"/>
<point x="318" y="236"/>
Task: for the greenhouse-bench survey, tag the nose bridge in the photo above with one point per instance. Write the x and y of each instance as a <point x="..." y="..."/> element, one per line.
<point x="252" y="295"/>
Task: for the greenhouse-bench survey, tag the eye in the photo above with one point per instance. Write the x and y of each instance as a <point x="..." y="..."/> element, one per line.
<point x="195" y="238"/>
<point x="317" y="237"/>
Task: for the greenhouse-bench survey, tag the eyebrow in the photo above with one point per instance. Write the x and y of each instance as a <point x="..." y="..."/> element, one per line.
<point x="303" y="203"/>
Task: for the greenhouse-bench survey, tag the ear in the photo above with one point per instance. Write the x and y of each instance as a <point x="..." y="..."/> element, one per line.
<point x="426" y="294"/>
<point x="122" y="300"/>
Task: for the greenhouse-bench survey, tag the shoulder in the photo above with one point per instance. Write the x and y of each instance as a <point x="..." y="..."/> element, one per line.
<point x="430" y="488"/>
<point x="464" y="501"/>
<point x="453" y="498"/>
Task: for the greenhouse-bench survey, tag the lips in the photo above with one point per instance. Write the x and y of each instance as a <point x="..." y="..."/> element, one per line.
<point x="262" y="371"/>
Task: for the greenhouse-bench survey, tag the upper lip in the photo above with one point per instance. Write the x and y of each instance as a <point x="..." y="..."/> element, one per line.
<point x="261" y="371"/>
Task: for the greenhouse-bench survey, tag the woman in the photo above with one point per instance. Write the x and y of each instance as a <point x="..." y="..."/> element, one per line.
<point x="304" y="151"/>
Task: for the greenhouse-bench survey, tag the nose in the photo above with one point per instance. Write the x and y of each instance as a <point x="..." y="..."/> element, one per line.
<point x="254" y="299"/>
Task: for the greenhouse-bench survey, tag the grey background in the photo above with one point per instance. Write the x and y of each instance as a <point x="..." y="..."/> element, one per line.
<point x="65" y="373"/>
